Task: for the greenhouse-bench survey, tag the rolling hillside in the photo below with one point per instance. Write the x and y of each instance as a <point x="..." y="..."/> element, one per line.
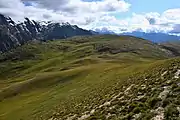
<point x="91" y="77"/>
<point x="172" y="46"/>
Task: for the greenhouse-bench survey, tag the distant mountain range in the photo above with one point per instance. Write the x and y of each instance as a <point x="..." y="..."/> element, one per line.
<point x="152" y="36"/>
<point x="14" y="34"/>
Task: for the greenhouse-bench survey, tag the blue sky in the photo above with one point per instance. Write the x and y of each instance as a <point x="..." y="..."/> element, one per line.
<point x="146" y="6"/>
<point x="140" y="6"/>
<point x="112" y="15"/>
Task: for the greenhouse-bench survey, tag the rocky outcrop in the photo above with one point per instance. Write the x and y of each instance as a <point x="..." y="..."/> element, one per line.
<point x="14" y="34"/>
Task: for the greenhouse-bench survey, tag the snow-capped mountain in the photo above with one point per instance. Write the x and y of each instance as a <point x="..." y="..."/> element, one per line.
<point x="156" y="37"/>
<point x="14" y="34"/>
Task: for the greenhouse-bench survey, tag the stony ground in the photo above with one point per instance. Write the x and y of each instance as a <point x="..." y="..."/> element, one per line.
<point x="155" y="97"/>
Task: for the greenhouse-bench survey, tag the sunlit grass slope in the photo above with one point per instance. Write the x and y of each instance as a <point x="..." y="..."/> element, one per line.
<point x="91" y="77"/>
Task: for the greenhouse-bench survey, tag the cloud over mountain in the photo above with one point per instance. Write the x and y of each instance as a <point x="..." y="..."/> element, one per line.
<point x="68" y="10"/>
<point x="92" y="14"/>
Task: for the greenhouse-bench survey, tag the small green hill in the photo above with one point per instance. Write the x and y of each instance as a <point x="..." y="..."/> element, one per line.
<point x="90" y="77"/>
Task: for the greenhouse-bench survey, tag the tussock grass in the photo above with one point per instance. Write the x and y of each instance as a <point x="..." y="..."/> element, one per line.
<point x="75" y="76"/>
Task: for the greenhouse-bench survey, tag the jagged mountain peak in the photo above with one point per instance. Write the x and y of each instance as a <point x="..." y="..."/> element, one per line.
<point x="13" y="34"/>
<point x="52" y="23"/>
<point x="44" y="23"/>
<point x="4" y="20"/>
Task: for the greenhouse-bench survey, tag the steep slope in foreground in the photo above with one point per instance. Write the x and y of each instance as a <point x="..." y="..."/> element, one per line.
<point x="100" y="77"/>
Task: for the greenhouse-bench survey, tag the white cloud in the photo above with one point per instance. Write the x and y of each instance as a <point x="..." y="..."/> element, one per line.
<point x="76" y="6"/>
<point x="92" y="15"/>
<point x="168" y="21"/>
<point x="172" y="15"/>
<point x="176" y="29"/>
<point x="75" y="11"/>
